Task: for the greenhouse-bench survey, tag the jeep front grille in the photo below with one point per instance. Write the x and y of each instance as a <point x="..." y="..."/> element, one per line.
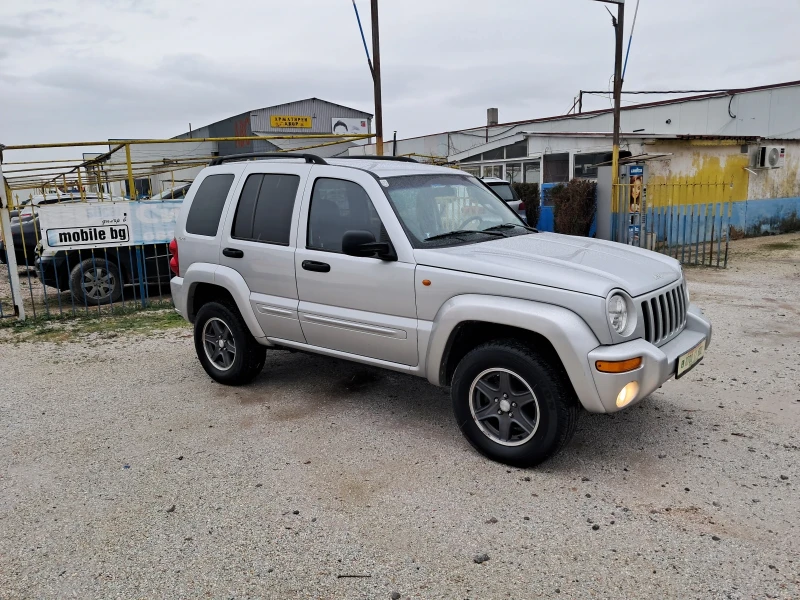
<point x="664" y="313"/>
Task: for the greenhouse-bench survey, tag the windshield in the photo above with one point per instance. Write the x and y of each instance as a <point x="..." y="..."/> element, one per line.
<point x="435" y="205"/>
<point x="503" y="190"/>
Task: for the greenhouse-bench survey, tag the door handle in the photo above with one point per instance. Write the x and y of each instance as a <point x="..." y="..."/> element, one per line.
<point x="319" y="267"/>
<point x="232" y="253"/>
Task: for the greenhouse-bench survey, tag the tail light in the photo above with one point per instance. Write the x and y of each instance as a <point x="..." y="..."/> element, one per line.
<point x="174" y="266"/>
<point x="521" y="207"/>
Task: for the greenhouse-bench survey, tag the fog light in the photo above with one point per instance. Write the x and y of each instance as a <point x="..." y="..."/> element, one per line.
<point x="627" y="394"/>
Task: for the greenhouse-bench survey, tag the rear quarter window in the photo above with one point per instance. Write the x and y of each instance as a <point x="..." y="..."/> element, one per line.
<point x="206" y="210"/>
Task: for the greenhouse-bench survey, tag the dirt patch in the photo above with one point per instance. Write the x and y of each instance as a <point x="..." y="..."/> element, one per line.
<point x="357" y="382"/>
<point x="128" y="473"/>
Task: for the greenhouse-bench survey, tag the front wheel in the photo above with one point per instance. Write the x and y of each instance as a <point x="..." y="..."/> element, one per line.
<point x="226" y="348"/>
<point x="96" y="281"/>
<point x="512" y="405"/>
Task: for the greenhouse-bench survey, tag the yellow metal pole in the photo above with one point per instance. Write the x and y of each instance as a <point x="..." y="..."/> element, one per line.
<point x="80" y="186"/>
<point x="132" y="191"/>
<point x="99" y="183"/>
<point x="310" y="136"/>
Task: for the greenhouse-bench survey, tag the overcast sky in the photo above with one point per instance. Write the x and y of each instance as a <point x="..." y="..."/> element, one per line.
<point x="77" y="70"/>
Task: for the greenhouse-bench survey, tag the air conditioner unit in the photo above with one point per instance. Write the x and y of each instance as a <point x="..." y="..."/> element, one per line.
<point x="771" y="157"/>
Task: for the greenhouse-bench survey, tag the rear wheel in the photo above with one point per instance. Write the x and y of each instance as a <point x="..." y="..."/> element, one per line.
<point x="512" y="405"/>
<point x="226" y="348"/>
<point x="96" y="281"/>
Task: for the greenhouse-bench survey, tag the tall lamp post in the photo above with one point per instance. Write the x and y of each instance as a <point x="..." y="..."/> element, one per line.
<point x="618" y="26"/>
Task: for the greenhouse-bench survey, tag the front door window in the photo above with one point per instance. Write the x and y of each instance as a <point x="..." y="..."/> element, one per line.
<point x="339" y="206"/>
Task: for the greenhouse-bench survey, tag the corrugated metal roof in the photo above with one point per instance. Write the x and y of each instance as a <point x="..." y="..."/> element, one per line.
<point x="321" y="112"/>
<point x="633" y="107"/>
<point x="322" y="115"/>
<point x="323" y="151"/>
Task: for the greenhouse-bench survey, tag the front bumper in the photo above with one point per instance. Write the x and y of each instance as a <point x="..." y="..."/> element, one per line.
<point x="658" y="363"/>
<point x="53" y="270"/>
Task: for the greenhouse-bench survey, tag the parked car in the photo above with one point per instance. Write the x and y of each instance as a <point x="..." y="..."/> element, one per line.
<point x="97" y="276"/>
<point x="25" y="229"/>
<point x="175" y="193"/>
<point x="420" y="269"/>
<point x="93" y="276"/>
<point x="38" y="200"/>
<point x="505" y="190"/>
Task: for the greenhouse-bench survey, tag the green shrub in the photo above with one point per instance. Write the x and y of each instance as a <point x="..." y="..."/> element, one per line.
<point x="574" y="205"/>
<point x="529" y="194"/>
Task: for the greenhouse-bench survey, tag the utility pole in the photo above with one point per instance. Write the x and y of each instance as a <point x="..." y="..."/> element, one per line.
<point x="619" y="23"/>
<point x="376" y="78"/>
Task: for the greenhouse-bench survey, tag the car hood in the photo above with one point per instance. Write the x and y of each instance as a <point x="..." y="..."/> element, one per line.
<point x="567" y="262"/>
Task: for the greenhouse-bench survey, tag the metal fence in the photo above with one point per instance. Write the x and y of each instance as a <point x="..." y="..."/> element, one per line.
<point x="37" y="280"/>
<point x="687" y="220"/>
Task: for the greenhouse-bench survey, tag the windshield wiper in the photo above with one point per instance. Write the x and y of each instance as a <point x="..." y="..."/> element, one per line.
<point x="509" y="225"/>
<point x="463" y="232"/>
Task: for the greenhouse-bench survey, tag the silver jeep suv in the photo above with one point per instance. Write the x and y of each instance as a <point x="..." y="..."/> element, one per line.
<point x="424" y="270"/>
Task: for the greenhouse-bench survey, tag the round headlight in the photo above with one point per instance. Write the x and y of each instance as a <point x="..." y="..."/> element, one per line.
<point x="618" y="313"/>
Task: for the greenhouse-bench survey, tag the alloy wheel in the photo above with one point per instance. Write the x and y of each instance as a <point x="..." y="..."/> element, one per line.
<point x="504" y="407"/>
<point x="98" y="283"/>
<point x="218" y="343"/>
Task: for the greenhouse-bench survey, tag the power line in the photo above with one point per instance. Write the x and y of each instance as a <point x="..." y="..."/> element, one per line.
<point x="661" y="92"/>
<point x="630" y="39"/>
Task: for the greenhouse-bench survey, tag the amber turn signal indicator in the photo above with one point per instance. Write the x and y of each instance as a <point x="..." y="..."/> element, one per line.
<point x="618" y="366"/>
<point x="426" y="282"/>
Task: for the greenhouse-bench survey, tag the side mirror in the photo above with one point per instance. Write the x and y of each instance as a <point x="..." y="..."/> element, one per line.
<point x="362" y="243"/>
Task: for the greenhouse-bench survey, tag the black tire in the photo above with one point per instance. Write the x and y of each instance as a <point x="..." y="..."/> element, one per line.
<point x="248" y="356"/>
<point x="95" y="281"/>
<point x="554" y="404"/>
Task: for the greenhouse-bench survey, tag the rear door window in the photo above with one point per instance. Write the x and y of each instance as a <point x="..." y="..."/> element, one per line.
<point x="206" y="209"/>
<point x="264" y="212"/>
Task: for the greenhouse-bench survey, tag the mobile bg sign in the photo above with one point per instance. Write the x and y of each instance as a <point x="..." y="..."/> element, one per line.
<point x="79" y="225"/>
<point x="289" y="122"/>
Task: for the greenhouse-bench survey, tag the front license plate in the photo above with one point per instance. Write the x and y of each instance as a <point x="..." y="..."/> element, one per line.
<point x="690" y="359"/>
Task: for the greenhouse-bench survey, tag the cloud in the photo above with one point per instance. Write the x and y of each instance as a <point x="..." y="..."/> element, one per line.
<point x="131" y="68"/>
<point x="12" y="32"/>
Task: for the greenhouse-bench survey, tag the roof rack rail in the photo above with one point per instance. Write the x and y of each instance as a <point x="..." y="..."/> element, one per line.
<point x="368" y="157"/>
<point x="309" y="158"/>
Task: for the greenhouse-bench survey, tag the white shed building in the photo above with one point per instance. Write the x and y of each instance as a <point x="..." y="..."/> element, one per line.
<point x="712" y="136"/>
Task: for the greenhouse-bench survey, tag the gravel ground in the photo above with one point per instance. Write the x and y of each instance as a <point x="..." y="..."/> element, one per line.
<point x="127" y="473"/>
